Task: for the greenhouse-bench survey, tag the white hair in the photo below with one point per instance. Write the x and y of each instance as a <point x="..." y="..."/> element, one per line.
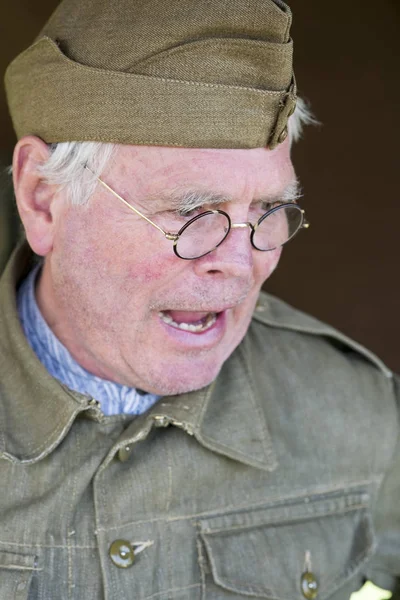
<point x="65" y="164"/>
<point x="65" y="167"/>
<point x="301" y="117"/>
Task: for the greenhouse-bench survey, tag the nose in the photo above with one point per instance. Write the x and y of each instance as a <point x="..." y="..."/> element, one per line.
<point x="233" y="258"/>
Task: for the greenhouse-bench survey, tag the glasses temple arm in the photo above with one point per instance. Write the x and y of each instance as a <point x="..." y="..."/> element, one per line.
<point x="135" y="210"/>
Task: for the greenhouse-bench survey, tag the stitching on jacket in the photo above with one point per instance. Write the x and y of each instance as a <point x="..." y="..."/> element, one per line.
<point x="171" y="591"/>
<point x="49" y="546"/>
<point x="18" y="568"/>
<point x="265" y="435"/>
<point x="298" y="495"/>
<point x="205" y="404"/>
<point x="54" y="434"/>
<point x="286" y="521"/>
<point x="234" y="585"/>
<point x="169" y="490"/>
<point x="168" y="542"/>
<point x="202" y="566"/>
<point x="71" y="534"/>
<point x="365" y="553"/>
<point x="228" y="450"/>
<point x="333" y="581"/>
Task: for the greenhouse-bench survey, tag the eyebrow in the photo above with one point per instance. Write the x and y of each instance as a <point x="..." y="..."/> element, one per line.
<point x="191" y="199"/>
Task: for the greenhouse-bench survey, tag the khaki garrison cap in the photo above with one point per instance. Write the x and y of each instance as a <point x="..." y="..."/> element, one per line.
<point x="190" y="73"/>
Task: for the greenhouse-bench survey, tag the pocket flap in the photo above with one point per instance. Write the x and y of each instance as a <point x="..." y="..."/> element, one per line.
<point x="264" y="553"/>
<point x="16" y="571"/>
<point x="10" y="560"/>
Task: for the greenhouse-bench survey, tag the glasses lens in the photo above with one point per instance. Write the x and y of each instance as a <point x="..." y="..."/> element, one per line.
<point x="203" y="234"/>
<point x="277" y="227"/>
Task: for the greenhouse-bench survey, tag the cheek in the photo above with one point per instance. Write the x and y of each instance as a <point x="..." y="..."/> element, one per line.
<point x="155" y="268"/>
<point x="265" y="264"/>
<point x="115" y="252"/>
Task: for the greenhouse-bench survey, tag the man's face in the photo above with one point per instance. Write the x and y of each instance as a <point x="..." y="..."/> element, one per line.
<point x="112" y="284"/>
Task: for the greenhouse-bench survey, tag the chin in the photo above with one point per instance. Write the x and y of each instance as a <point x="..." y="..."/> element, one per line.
<point x="192" y="373"/>
<point x="186" y="381"/>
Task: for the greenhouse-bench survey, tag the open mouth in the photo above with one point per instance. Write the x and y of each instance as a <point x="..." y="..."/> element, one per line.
<point x="195" y="322"/>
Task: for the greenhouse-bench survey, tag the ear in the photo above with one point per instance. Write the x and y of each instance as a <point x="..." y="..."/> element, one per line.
<point x="35" y="197"/>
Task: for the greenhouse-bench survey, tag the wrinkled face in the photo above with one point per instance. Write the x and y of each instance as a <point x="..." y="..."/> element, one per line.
<point x="116" y="295"/>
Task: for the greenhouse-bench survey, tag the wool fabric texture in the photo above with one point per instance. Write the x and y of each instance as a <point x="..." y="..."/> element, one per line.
<point x="190" y="73"/>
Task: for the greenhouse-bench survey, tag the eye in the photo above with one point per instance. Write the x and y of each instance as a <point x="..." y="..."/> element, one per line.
<point x="267" y="206"/>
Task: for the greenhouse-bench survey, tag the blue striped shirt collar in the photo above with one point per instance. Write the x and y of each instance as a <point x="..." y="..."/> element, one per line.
<point x="113" y="397"/>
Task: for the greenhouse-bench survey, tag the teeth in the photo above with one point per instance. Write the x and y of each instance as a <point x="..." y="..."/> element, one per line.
<point x="202" y="326"/>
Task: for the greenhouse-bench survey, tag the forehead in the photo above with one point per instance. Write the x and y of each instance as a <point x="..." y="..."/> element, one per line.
<point x="234" y="173"/>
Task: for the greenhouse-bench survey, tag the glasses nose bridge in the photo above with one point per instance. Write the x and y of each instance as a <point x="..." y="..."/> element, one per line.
<point x="244" y="225"/>
<point x="236" y="257"/>
<point x="239" y="225"/>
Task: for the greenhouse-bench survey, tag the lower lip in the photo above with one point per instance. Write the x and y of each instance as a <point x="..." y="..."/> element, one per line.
<point x="197" y="339"/>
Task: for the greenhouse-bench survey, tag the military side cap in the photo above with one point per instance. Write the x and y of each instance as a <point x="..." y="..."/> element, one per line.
<point x="190" y="73"/>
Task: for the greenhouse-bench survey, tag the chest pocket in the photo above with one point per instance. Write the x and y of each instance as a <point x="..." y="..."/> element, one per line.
<point x="306" y="549"/>
<point x="16" y="573"/>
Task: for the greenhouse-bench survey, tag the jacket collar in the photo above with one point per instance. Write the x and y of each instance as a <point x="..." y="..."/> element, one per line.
<point x="225" y="417"/>
<point x="36" y="411"/>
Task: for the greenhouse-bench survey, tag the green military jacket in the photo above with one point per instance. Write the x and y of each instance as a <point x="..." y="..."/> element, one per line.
<point x="281" y="480"/>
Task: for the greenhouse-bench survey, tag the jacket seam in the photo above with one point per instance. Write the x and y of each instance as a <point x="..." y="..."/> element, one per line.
<point x="286" y="521"/>
<point x="221" y="511"/>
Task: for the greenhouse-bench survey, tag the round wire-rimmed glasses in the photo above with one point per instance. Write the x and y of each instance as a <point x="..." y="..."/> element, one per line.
<point x="206" y="231"/>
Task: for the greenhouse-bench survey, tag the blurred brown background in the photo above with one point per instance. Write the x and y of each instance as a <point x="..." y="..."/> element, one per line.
<point x="344" y="270"/>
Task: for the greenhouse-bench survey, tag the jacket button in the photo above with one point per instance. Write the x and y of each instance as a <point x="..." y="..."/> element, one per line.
<point x="122" y="554"/>
<point x="124" y="453"/>
<point x="309" y="585"/>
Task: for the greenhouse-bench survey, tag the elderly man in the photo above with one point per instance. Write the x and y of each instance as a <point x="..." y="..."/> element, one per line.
<point x="167" y="431"/>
